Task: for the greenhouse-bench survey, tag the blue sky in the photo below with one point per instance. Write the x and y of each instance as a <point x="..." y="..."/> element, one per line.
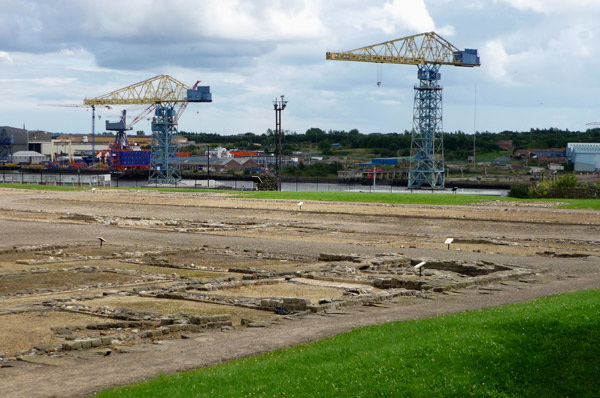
<point x="539" y="61"/>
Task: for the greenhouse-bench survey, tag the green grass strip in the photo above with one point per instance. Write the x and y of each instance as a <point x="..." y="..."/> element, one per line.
<point x="545" y="348"/>
<point x="38" y="187"/>
<point x="362" y="197"/>
<point x="366" y="197"/>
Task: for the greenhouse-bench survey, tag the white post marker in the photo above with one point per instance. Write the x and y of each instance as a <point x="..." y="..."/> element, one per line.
<point x="420" y="267"/>
<point x="101" y="239"/>
<point x="448" y="241"/>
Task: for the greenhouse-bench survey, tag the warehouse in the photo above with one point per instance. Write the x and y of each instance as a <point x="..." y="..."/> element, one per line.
<point x="584" y="156"/>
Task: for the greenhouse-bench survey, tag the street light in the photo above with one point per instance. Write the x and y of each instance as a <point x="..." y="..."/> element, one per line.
<point x="278" y="105"/>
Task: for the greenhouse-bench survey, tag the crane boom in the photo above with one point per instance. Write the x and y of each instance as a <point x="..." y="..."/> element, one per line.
<point x="421" y="49"/>
<point x="159" y="89"/>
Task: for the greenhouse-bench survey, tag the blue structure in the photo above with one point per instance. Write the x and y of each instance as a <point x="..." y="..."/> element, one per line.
<point x="427" y="145"/>
<point x="165" y="164"/>
<point x="6" y="143"/>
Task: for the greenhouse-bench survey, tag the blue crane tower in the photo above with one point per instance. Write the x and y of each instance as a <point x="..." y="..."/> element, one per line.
<point x="6" y="143"/>
<point x="428" y="51"/>
<point x="168" y="98"/>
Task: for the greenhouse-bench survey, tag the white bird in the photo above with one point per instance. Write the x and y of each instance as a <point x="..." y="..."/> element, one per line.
<point x="93" y="190"/>
<point x="300" y="205"/>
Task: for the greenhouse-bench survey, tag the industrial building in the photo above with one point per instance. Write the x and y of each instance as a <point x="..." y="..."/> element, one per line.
<point x="23" y="140"/>
<point x="584" y="156"/>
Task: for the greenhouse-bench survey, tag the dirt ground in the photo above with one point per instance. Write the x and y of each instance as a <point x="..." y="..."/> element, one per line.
<point x="169" y="256"/>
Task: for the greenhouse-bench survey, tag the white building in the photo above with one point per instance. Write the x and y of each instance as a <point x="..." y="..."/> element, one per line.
<point x="584" y="156"/>
<point x="220" y="153"/>
<point x="28" y="157"/>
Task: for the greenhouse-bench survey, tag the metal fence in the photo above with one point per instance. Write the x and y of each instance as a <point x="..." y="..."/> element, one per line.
<point x="45" y="178"/>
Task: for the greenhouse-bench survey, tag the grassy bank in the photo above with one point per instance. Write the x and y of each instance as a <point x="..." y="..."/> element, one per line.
<point x="362" y="197"/>
<point x="399" y="198"/>
<point x="38" y="187"/>
<point x="545" y="348"/>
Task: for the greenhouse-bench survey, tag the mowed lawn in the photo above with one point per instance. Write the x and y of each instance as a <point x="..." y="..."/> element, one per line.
<point x="546" y="348"/>
<point x="445" y="199"/>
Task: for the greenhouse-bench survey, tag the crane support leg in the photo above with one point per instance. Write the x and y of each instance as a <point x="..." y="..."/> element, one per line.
<point x="164" y="161"/>
<point x="427" y="146"/>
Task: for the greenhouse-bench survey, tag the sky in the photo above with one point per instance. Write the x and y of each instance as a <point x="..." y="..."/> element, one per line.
<point x="539" y="62"/>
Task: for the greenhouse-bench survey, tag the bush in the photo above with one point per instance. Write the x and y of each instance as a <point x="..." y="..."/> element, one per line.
<point x="541" y="190"/>
<point x="519" y="191"/>
<point x="566" y="181"/>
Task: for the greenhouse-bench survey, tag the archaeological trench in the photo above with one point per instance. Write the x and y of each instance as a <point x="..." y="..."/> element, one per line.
<point x="173" y="266"/>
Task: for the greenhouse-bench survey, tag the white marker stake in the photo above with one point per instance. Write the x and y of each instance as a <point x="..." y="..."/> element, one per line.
<point x="448" y="241"/>
<point x="420" y="267"/>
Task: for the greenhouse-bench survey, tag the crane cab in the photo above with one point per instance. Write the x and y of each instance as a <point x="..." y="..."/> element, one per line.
<point x="468" y="57"/>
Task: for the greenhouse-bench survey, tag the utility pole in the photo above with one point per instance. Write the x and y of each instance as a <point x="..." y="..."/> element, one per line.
<point x="278" y="105"/>
<point x="208" y="166"/>
<point x="94" y="133"/>
<point x="474" y="122"/>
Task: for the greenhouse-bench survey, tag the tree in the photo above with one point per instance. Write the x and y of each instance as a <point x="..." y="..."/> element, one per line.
<point x="140" y="133"/>
<point x="325" y="147"/>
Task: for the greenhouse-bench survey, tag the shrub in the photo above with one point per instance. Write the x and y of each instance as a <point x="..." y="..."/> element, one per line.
<point x="541" y="190"/>
<point x="566" y="181"/>
<point x="519" y="191"/>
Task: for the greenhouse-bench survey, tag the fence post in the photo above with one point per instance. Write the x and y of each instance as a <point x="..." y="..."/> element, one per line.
<point x="317" y="184"/>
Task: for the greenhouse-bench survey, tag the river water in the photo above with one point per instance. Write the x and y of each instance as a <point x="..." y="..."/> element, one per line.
<point x="325" y="186"/>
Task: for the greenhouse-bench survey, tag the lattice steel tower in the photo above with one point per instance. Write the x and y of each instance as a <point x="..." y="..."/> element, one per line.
<point x="168" y="98"/>
<point x="428" y="51"/>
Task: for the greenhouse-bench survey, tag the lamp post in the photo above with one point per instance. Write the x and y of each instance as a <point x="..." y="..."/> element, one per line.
<point x="278" y="105"/>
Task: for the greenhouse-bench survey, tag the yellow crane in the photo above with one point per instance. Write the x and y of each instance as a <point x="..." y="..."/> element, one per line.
<point x="428" y="51"/>
<point x="167" y="97"/>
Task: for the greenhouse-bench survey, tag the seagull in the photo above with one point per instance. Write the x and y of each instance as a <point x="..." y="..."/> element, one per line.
<point x="300" y="205"/>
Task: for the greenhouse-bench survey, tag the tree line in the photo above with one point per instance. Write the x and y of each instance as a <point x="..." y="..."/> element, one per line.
<point x="457" y="144"/>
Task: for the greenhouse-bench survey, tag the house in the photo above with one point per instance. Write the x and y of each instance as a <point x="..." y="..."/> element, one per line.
<point x="550" y="155"/>
<point x="250" y="164"/>
<point x="506" y="145"/>
<point x="225" y="165"/>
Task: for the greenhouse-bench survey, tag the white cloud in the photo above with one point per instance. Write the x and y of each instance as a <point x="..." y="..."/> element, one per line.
<point x="496" y="61"/>
<point x="397" y="16"/>
<point x="252" y="51"/>
<point x="5" y="57"/>
<point x="553" y="6"/>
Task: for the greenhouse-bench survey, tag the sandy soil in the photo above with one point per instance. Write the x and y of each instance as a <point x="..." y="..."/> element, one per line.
<point x="562" y="246"/>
